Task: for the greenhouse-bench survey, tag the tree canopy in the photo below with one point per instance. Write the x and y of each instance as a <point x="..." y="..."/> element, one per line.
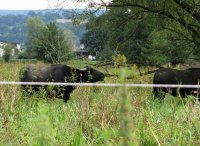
<point x="48" y="41"/>
<point x="149" y="32"/>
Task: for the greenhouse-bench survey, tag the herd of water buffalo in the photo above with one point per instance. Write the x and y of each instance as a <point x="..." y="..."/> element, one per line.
<point x="64" y="73"/>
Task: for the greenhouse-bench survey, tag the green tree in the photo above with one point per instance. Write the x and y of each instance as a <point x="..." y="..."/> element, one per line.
<point x="50" y="43"/>
<point x="95" y="38"/>
<point x="55" y="44"/>
<point x="7" y="52"/>
<point x="164" y="48"/>
<point x="34" y="26"/>
<point x="133" y="24"/>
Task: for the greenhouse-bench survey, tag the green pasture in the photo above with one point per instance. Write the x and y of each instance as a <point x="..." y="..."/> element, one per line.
<point x="107" y="116"/>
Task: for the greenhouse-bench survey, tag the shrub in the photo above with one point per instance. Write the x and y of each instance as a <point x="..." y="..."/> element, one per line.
<point x="119" y="60"/>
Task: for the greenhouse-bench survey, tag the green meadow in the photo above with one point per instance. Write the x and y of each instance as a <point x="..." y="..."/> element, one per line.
<point x="107" y="116"/>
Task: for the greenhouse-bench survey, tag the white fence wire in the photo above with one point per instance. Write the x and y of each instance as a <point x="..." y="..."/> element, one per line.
<point x="100" y="84"/>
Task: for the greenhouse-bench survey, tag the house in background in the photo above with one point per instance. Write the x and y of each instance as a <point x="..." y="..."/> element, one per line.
<point x="16" y="48"/>
<point x="1" y="48"/>
<point x="80" y="52"/>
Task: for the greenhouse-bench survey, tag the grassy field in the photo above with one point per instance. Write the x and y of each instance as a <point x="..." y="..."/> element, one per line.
<point x="96" y="115"/>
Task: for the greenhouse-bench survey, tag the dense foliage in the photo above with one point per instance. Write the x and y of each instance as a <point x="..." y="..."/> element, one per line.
<point x="7" y="52"/>
<point x="149" y="32"/>
<point x="48" y="42"/>
<point x="95" y="38"/>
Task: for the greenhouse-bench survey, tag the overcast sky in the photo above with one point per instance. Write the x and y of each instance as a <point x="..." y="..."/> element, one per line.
<point x="32" y="4"/>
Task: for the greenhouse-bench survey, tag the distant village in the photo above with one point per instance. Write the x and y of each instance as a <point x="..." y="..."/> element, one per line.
<point x="79" y="52"/>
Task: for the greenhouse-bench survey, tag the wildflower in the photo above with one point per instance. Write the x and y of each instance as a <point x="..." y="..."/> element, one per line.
<point x="158" y="121"/>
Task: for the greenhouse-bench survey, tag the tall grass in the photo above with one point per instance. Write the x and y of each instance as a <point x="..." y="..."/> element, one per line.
<point x="96" y="115"/>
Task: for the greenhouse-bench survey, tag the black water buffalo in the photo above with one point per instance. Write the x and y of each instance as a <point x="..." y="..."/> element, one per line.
<point x="58" y="73"/>
<point x="189" y="76"/>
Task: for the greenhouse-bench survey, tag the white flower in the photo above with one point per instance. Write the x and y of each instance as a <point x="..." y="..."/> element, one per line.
<point x="158" y="121"/>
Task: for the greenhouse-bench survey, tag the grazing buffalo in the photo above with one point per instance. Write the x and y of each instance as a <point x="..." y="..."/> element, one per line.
<point x="58" y="73"/>
<point x="189" y="76"/>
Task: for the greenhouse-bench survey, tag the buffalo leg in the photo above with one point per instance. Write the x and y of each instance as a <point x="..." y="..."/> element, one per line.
<point x="29" y="90"/>
<point x="159" y="93"/>
<point x="66" y="94"/>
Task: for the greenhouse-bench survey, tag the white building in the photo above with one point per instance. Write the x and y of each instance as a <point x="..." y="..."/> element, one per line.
<point x="15" y="46"/>
<point x="1" y="48"/>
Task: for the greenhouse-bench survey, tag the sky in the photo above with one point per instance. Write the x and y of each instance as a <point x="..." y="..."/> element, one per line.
<point x="34" y="4"/>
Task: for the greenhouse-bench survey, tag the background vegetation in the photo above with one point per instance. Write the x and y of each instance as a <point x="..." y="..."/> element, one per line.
<point x="146" y="32"/>
<point x="48" y="42"/>
<point x="13" y="26"/>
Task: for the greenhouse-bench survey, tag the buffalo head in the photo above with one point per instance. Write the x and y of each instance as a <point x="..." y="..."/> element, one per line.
<point x="92" y="75"/>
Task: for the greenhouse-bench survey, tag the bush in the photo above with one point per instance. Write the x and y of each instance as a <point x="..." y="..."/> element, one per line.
<point x="7" y="52"/>
<point x="6" y="57"/>
<point x="119" y="60"/>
